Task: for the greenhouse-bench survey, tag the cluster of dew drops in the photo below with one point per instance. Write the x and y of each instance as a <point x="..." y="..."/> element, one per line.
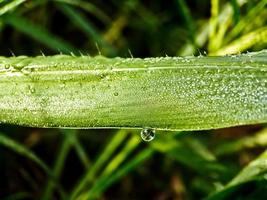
<point x="147" y="134"/>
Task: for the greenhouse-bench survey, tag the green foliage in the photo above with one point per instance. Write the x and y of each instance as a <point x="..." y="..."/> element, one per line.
<point x="110" y="164"/>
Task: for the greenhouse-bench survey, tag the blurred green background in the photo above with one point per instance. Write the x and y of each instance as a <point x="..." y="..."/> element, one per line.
<point x="117" y="164"/>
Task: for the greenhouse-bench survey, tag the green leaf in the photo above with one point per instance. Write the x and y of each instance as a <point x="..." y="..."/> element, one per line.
<point x="191" y="93"/>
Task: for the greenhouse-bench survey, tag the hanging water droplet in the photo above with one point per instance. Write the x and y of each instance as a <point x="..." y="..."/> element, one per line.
<point x="148" y="134"/>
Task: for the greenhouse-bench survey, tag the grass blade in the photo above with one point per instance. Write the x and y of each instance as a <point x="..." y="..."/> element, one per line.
<point x="18" y="196"/>
<point x="24" y="151"/>
<point x="248" y="19"/>
<point x="256" y="169"/>
<point x="203" y="33"/>
<point x="60" y="160"/>
<point x="88" y="7"/>
<point x="211" y="92"/>
<point x="99" y="163"/>
<point x="185" y="12"/>
<point x="131" y="144"/>
<point x="79" y="20"/>
<point x="80" y="151"/>
<point x="245" y="42"/>
<point x="180" y="152"/>
<point x="105" y="181"/>
<point x="236" y="11"/>
<point x="39" y="34"/>
<point x="9" y="6"/>
<point x="233" y="146"/>
<point x="213" y="24"/>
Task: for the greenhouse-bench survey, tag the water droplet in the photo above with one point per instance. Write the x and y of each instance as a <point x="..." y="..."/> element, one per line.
<point x="102" y="76"/>
<point x="93" y="87"/>
<point x="7" y="66"/>
<point x="116" y="93"/>
<point x="62" y="85"/>
<point x="27" y="70"/>
<point x="31" y="89"/>
<point x="148" y="134"/>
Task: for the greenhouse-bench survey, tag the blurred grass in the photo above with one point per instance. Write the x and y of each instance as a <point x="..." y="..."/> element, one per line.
<point x="107" y="164"/>
<point x="10" y="5"/>
<point x="24" y="151"/>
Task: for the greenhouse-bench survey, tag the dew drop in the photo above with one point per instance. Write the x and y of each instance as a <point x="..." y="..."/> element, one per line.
<point x="27" y="70"/>
<point x="116" y="94"/>
<point x="7" y="66"/>
<point x="31" y="89"/>
<point x="62" y="85"/>
<point x="148" y="134"/>
<point x="102" y="76"/>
